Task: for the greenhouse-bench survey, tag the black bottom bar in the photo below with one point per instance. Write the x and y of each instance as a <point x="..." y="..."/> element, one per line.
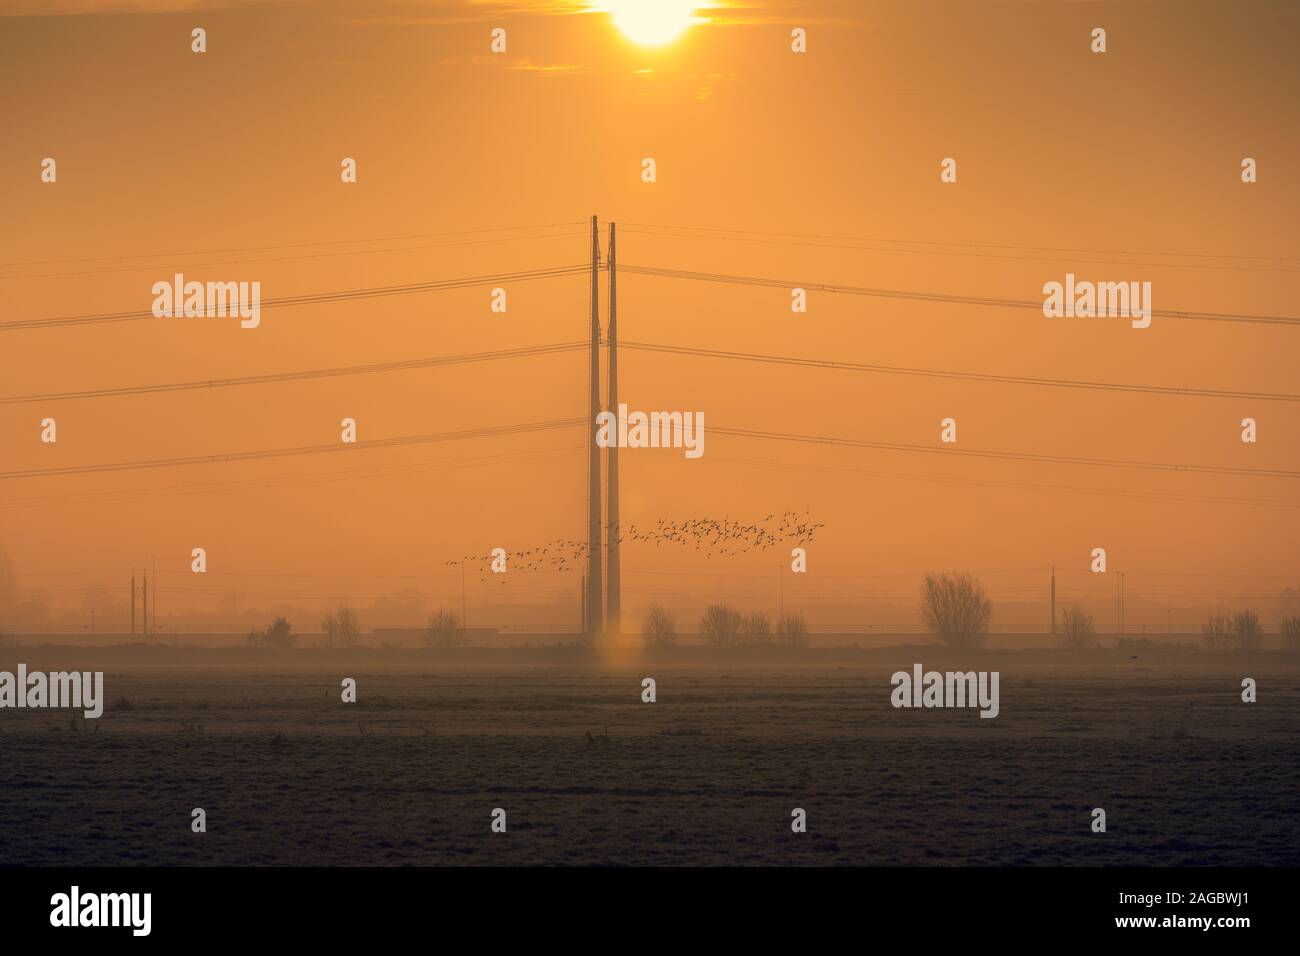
<point x="652" y="906"/>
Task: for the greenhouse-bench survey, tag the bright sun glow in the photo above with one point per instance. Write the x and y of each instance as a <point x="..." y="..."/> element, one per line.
<point x="652" y="22"/>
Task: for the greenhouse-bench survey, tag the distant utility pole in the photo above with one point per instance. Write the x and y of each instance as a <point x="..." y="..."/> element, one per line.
<point x="145" y="602"/>
<point x="613" y="600"/>
<point x="133" y="601"/>
<point x="781" y="587"/>
<point x="1123" y="605"/>
<point x="464" y="615"/>
<point x="1118" y="626"/>
<point x="1053" y="602"/>
<point x="594" y="576"/>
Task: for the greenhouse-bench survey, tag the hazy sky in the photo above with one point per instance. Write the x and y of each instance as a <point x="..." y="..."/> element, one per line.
<point x="1122" y="166"/>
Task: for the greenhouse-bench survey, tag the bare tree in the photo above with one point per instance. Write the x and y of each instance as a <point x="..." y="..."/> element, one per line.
<point x="956" y="608"/>
<point x="658" y="629"/>
<point x="8" y="584"/>
<point x="1288" y="605"/>
<point x="445" y="630"/>
<point x="721" y="625"/>
<point x="1078" y="629"/>
<point x="342" y="628"/>
<point x="757" y="629"/>
<point x="1215" y="631"/>
<point x="1246" y="631"/>
<point x="791" y="630"/>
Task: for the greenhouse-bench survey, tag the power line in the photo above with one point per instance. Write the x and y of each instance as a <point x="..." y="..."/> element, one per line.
<point x="255" y="484"/>
<point x="1014" y="485"/>
<point x="294" y="258"/>
<point x="975" y="255"/>
<point x="968" y="245"/>
<point x="50" y="574"/>
<point x="1102" y="580"/>
<point x="298" y="376"/>
<point x="964" y="376"/>
<point x="526" y="351"/>
<point x="723" y="430"/>
<point x="1007" y="455"/>
<point x="304" y="575"/>
<point x="300" y="594"/>
<point x="1190" y="574"/>
<point x="405" y="440"/>
<point x="344" y="295"/>
<point x="665" y="273"/>
<point x="822" y="576"/>
<point x="290" y="245"/>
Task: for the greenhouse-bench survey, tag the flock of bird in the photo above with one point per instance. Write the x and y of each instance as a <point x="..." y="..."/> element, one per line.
<point x="725" y="537"/>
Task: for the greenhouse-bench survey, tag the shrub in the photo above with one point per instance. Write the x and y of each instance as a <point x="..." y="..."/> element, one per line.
<point x="1290" y="628"/>
<point x="1246" y="630"/>
<point x="1079" y="631"/>
<point x="658" y="629"/>
<point x="445" y="630"/>
<point x="721" y="625"/>
<point x="278" y="634"/>
<point x="342" y="628"/>
<point x="956" y="608"/>
<point x="791" y="630"/>
<point x="757" y="629"/>
<point x="1215" y="632"/>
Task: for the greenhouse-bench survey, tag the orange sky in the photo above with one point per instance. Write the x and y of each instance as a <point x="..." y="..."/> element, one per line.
<point x="225" y="165"/>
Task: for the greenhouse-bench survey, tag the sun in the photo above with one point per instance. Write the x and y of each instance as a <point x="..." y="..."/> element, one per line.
<point x="652" y="22"/>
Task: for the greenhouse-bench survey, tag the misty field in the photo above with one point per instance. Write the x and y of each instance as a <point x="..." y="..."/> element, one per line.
<point x="709" y="774"/>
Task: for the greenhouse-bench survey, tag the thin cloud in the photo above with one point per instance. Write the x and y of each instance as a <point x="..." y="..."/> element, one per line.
<point x="446" y="12"/>
<point x="437" y="11"/>
<point x="719" y="12"/>
<point x="699" y="86"/>
<point x="547" y="69"/>
<point x="73" y="8"/>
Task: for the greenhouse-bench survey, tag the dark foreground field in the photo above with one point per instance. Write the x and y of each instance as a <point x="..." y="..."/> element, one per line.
<point x="409" y="775"/>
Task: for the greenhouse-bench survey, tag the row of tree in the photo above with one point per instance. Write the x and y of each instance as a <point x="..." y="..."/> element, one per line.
<point x="721" y="626"/>
<point x="954" y="607"/>
<point x="1239" y="631"/>
<point x="1242" y="631"/>
<point x="342" y="628"/>
<point x="724" y="626"/>
<point x="957" y="609"/>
